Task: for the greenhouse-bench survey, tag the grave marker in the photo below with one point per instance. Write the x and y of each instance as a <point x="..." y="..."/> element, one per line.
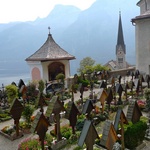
<point x="109" y="135"/>
<point x="88" y="135"/>
<point x="133" y="112"/>
<point x="16" y="109"/>
<point x="102" y="95"/>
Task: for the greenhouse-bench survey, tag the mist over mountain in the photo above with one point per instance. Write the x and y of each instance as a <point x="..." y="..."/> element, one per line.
<point x="92" y="32"/>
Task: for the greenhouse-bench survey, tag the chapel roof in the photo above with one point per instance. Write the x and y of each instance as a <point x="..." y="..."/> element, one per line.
<point x="50" y="51"/>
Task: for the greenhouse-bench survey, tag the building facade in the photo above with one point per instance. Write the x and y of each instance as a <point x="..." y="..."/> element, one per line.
<point x="142" y="36"/>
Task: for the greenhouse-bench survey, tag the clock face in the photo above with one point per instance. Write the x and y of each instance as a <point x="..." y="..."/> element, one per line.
<point x="120" y="53"/>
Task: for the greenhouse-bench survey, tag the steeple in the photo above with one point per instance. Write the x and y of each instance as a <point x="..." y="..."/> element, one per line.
<point x="120" y="40"/>
<point x="120" y="47"/>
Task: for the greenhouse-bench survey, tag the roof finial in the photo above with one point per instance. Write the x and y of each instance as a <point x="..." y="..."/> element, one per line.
<point x="49" y="30"/>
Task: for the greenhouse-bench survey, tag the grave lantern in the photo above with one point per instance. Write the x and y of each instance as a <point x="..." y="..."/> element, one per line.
<point x="16" y="109"/>
<point x="88" y="135"/>
<point x="71" y="115"/>
<point x="101" y="96"/>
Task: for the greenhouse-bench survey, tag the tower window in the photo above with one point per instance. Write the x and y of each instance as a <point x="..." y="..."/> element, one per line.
<point x="120" y="60"/>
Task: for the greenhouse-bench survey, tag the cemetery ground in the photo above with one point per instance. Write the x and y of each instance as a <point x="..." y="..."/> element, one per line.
<point x="112" y="104"/>
<point x="6" y="144"/>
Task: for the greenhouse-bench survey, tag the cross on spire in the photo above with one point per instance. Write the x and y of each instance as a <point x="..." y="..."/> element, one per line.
<point x="49" y="29"/>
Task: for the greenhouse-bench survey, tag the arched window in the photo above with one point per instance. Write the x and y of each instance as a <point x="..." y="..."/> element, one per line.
<point x="54" y="69"/>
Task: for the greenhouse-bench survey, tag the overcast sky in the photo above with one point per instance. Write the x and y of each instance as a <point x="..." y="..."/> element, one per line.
<point x="28" y="10"/>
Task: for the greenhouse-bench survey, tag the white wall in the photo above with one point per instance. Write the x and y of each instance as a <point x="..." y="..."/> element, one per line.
<point x="142" y="35"/>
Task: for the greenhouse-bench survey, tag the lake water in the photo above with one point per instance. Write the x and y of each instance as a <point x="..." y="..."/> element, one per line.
<point x="9" y="78"/>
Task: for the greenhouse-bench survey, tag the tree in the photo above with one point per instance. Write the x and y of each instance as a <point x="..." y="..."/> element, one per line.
<point x="99" y="67"/>
<point x="12" y="92"/>
<point x="86" y="62"/>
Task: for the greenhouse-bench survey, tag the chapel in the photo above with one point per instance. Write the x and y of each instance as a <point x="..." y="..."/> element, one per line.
<point x="48" y="61"/>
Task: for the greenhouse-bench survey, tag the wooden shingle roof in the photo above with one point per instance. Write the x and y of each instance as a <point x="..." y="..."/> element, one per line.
<point x="50" y="51"/>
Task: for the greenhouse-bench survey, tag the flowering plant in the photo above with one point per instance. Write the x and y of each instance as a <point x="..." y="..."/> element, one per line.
<point x="8" y="129"/>
<point x="30" y="144"/>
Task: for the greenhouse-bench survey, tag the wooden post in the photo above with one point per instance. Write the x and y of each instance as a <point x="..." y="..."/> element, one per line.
<point x="72" y="92"/>
<point x="58" y="127"/>
<point x="16" y="122"/>
<point x="90" y="147"/>
<point x="42" y="144"/>
<point x="122" y="133"/>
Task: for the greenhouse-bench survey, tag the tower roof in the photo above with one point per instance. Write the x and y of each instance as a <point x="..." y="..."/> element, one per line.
<point x="50" y="50"/>
<point x="120" y="40"/>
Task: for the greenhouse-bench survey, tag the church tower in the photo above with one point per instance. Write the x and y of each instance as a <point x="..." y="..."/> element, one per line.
<point x="142" y="36"/>
<point x="120" y="47"/>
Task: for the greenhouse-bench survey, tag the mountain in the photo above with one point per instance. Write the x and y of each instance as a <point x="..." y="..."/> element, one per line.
<point x="92" y="32"/>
